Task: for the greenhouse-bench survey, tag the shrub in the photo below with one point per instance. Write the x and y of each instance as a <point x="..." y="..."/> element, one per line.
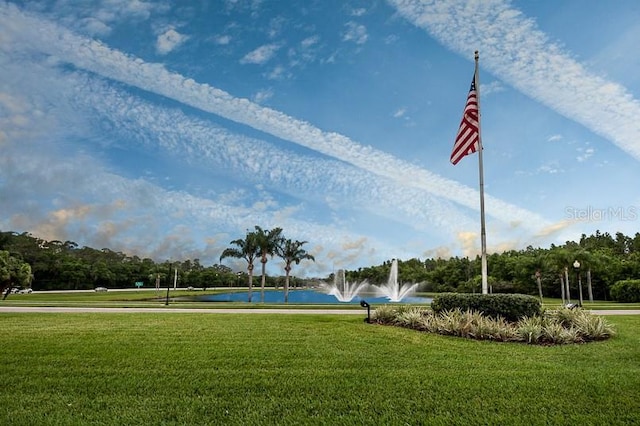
<point x="556" y="327"/>
<point x="488" y="328"/>
<point x="588" y="326"/>
<point x="554" y="332"/>
<point x="511" y="307"/>
<point x="384" y="314"/>
<point x="410" y="318"/>
<point x="530" y="329"/>
<point x="429" y="322"/>
<point x="627" y="291"/>
<point x="564" y="316"/>
<point x="449" y="322"/>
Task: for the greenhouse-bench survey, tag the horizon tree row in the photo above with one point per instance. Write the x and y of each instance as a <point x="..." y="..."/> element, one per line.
<point x="58" y="265"/>
<point x="604" y="259"/>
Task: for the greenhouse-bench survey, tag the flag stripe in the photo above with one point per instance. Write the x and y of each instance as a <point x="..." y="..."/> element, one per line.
<point x="468" y="137"/>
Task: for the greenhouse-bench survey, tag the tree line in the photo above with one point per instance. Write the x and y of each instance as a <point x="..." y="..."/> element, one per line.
<point x="603" y="260"/>
<point x="29" y="261"/>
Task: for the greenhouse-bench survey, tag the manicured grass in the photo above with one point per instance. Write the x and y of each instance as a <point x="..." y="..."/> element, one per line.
<point x="248" y="369"/>
<point x="147" y="298"/>
<point x="596" y="304"/>
<point x="150" y="298"/>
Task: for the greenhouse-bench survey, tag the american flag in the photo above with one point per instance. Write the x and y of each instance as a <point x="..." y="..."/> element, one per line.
<point x="468" y="138"/>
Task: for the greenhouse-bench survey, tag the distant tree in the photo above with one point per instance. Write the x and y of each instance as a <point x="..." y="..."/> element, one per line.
<point x="246" y="249"/>
<point x="291" y="252"/>
<point x="267" y="242"/>
<point x="13" y="273"/>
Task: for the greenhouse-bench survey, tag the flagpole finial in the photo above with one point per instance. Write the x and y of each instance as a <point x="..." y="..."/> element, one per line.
<point x="477" y="55"/>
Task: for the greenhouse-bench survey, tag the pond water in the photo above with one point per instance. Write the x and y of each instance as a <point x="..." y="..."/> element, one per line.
<point x="296" y="296"/>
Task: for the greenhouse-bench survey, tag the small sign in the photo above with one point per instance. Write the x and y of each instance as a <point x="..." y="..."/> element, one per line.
<point x="139" y="284"/>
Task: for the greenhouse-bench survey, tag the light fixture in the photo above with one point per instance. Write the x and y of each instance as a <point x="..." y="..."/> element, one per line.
<point x="364" y="304"/>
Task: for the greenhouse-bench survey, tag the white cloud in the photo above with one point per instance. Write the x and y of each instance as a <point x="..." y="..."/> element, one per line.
<point x="400" y="112"/>
<point x="138" y="8"/>
<point x="358" y="12"/>
<point x="169" y="40"/>
<point x="355" y="32"/>
<point x="261" y="54"/>
<point x="96" y="19"/>
<point x="198" y="142"/>
<point x="400" y="190"/>
<point x="95" y="27"/>
<point x="493" y="87"/>
<point x="222" y="40"/>
<point x="309" y="41"/>
<point x="96" y="57"/>
<point x="277" y="73"/>
<point x="550" y="168"/>
<point x="263" y="96"/>
<point x="585" y="154"/>
<point x="297" y="175"/>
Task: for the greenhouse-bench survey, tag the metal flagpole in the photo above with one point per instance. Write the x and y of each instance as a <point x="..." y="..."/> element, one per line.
<point x="483" y="232"/>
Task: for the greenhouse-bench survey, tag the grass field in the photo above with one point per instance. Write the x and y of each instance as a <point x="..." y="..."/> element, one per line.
<point x="147" y="298"/>
<point x="190" y="368"/>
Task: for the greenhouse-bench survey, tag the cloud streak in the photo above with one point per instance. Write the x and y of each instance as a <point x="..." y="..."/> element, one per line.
<point x="96" y="57"/>
<point x="106" y="210"/>
<point x="514" y="49"/>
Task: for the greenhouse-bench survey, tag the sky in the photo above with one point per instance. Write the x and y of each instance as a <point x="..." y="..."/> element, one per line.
<point x="167" y="129"/>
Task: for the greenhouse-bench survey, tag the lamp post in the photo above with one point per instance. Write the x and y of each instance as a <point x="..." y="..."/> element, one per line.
<point x="576" y="266"/>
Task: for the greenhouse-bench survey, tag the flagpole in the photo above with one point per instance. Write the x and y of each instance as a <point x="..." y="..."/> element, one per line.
<point x="483" y="232"/>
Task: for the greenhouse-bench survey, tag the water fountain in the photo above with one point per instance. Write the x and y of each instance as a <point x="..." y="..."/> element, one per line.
<point x="343" y="290"/>
<point x="339" y="291"/>
<point x="392" y="290"/>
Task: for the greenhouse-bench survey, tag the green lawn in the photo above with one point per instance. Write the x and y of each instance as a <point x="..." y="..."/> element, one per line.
<point x="145" y="298"/>
<point x="245" y="369"/>
<point x="142" y="299"/>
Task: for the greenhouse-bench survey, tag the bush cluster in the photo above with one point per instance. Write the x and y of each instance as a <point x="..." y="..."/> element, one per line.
<point x="553" y="327"/>
<point x="626" y="291"/>
<point x="511" y="307"/>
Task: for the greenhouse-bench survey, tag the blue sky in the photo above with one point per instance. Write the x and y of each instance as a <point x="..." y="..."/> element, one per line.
<point x="167" y="129"/>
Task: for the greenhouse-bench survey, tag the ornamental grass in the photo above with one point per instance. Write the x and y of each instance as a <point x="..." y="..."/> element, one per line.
<point x="560" y="326"/>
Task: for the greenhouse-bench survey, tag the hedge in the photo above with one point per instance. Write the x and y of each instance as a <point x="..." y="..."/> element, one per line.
<point x="626" y="291"/>
<point x="511" y="307"/>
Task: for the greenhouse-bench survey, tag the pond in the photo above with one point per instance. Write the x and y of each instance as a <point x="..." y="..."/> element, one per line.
<point x="296" y="296"/>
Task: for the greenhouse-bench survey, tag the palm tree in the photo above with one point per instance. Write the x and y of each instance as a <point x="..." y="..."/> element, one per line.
<point x="594" y="260"/>
<point x="267" y="242"/>
<point x="290" y="252"/>
<point x="558" y="259"/>
<point x="246" y="249"/>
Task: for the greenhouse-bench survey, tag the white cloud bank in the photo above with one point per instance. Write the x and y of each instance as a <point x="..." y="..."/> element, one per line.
<point x="96" y="57"/>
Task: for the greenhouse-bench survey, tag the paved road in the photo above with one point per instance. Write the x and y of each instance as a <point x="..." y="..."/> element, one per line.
<point x="180" y="310"/>
<point x="231" y="311"/>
